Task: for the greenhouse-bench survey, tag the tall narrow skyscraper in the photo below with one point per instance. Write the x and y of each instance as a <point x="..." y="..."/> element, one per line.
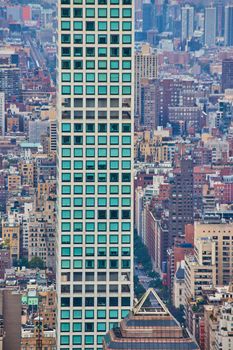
<point x="228" y="25"/>
<point x="187" y="22"/>
<point x="95" y="163"/>
<point x="210" y="26"/>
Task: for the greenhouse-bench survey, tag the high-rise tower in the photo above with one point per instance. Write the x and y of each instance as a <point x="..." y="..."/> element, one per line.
<point x="187" y="22"/>
<point x="228" y="25"/>
<point x="95" y="178"/>
<point x="210" y="26"/>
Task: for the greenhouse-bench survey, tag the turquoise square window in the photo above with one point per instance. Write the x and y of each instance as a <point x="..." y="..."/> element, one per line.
<point x="101" y="327"/>
<point x="78" y="189"/>
<point x="78" y="214"/>
<point x="89" y="339"/>
<point x="66" y="189"/>
<point x="113" y="239"/>
<point x="114" y="90"/>
<point x="114" y="140"/>
<point x="126" y="165"/>
<point x="125" y="226"/>
<point x="102" y="227"/>
<point x="78" y="239"/>
<point x="114" y="26"/>
<point x="101" y="314"/>
<point x="78" y="164"/>
<point x="78" y="202"/>
<point x="102" y="202"/>
<point x="114" y="202"/>
<point x="126" y="64"/>
<point x="65" y="25"/>
<point x="66" y="77"/>
<point x="78" y="227"/>
<point x="114" y="189"/>
<point x="102" y="26"/>
<point x="65" y="327"/>
<point x="90" y="77"/>
<point x="102" y="12"/>
<point x="90" y="12"/>
<point x="90" y="226"/>
<point x="77" y="327"/>
<point x="66" y="152"/>
<point x="89" y="314"/>
<point x="65" y="251"/>
<point x="66" y="90"/>
<point x="90" y="152"/>
<point x="78" y="90"/>
<point x="64" y="340"/>
<point x="114" y="64"/>
<point x="90" y="90"/>
<point x="90" y="202"/>
<point x="90" y="39"/>
<point x="125" y="239"/>
<point x="126" y="77"/>
<point x="102" y="239"/>
<point x="102" y="152"/>
<point x="77" y="339"/>
<point x="90" y="140"/>
<point x="127" y="12"/>
<point x="114" y="152"/>
<point x="126" y="202"/>
<point x="78" y="251"/>
<point x="90" y="239"/>
<point x="65" y="264"/>
<point x="127" y="39"/>
<point x="78" y="77"/>
<point x="124" y="313"/>
<point x="90" y="214"/>
<point x="78" y="152"/>
<point x="113" y="314"/>
<point x="114" y="164"/>
<point x="78" y="25"/>
<point x="126" y="90"/>
<point x="102" y="189"/>
<point x="127" y="26"/>
<point x="77" y="264"/>
<point x="77" y="314"/>
<point x="65" y="239"/>
<point x="102" y="90"/>
<point x="126" y="152"/>
<point x="65" y="314"/>
<point x="65" y="226"/>
<point x="126" y="189"/>
<point x="113" y="226"/>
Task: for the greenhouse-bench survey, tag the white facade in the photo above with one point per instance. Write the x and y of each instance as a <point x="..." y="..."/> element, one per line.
<point x="95" y="169"/>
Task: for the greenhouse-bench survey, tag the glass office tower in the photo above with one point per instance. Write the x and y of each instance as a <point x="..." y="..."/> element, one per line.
<point x="95" y="163"/>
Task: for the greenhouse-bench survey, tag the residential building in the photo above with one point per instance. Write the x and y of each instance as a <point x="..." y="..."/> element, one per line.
<point x="221" y="234"/>
<point x="227" y="74"/>
<point x="146" y="67"/>
<point x="10" y="311"/>
<point x="11" y="235"/>
<point x="95" y="178"/>
<point x="10" y="82"/>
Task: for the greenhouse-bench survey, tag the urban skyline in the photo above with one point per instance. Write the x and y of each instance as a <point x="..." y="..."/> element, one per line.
<point x="116" y="174"/>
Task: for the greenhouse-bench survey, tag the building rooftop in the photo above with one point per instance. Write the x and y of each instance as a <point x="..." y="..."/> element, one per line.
<point x="149" y="326"/>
